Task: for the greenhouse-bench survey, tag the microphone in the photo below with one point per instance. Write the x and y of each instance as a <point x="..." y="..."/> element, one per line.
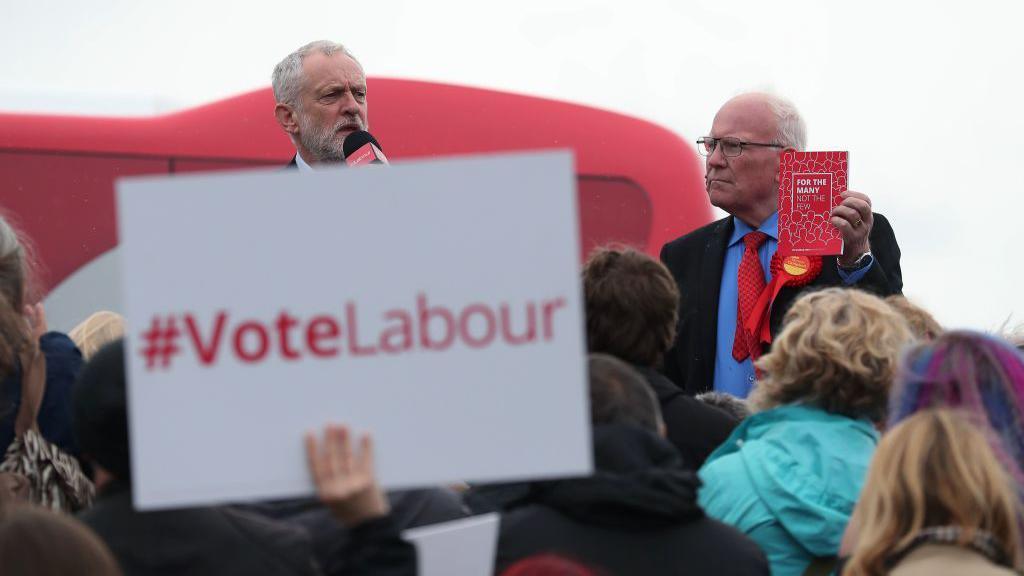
<point x="361" y="148"/>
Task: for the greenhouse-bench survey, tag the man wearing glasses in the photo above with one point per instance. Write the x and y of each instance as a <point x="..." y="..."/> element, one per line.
<point x="714" y="264"/>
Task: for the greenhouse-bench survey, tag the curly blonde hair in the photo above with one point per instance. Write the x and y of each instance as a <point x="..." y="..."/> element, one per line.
<point x="934" y="469"/>
<point x="924" y="326"/>
<point x="838" y="350"/>
<point x="94" y="332"/>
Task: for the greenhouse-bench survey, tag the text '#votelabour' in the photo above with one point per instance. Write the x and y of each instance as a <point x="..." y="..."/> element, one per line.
<point x="425" y="327"/>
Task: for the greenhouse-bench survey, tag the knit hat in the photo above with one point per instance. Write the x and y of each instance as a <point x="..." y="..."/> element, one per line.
<point x="101" y="413"/>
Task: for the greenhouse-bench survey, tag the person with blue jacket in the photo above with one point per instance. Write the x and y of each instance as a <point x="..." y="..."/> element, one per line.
<point x="790" y="474"/>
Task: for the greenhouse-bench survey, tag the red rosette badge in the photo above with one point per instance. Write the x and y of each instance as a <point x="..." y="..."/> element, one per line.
<point x="787" y="270"/>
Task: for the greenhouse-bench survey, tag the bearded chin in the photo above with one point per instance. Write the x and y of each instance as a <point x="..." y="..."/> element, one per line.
<point x="321" y="143"/>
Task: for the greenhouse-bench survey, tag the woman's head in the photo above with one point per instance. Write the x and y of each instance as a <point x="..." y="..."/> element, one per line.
<point x="12" y="266"/>
<point x="934" y="469"/>
<point x="837" y="350"/>
<point x="15" y="267"/>
<point x="924" y="326"/>
<point x="973" y="372"/>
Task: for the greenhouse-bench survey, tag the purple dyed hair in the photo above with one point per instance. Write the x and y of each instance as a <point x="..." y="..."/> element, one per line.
<point x="978" y="374"/>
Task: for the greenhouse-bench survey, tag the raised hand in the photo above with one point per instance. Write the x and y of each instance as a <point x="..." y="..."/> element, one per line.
<point x="344" y="478"/>
<point x="854" y="219"/>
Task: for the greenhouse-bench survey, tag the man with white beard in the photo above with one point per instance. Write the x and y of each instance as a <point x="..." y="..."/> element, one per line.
<point x="321" y="98"/>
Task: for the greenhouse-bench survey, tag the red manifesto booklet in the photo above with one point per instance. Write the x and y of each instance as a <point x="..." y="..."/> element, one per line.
<point x="809" y="187"/>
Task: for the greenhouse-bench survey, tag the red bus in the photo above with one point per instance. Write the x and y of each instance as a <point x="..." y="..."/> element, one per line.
<point x="638" y="183"/>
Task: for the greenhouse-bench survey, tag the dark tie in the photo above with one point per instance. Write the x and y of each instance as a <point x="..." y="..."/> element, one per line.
<point x="749" y="283"/>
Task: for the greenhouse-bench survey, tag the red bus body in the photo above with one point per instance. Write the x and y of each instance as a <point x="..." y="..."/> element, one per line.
<point x="638" y="183"/>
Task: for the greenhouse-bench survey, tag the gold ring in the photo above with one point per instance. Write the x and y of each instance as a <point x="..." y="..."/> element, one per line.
<point x="857" y="223"/>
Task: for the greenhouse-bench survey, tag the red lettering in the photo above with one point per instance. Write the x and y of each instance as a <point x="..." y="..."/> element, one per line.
<point x="434" y="328"/>
<point x="284" y="324"/>
<point x="531" y="325"/>
<point x="353" y="333"/>
<point x="425" y="315"/>
<point x="550" y="306"/>
<point x="403" y="331"/>
<point x="489" y="321"/>
<point x="262" y="341"/>
<point x="207" y="352"/>
<point x="322" y="328"/>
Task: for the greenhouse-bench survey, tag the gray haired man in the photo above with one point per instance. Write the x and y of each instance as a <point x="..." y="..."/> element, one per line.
<point x="717" y="266"/>
<point x="321" y="98"/>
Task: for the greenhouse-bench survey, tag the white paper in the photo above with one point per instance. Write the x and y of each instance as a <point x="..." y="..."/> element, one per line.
<point x="270" y="254"/>
<point x="463" y="547"/>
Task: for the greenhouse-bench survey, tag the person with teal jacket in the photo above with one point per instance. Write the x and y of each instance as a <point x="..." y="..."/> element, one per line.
<point x="790" y="474"/>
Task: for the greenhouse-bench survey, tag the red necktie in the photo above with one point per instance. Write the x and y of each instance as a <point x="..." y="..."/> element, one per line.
<point x="749" y="283"/>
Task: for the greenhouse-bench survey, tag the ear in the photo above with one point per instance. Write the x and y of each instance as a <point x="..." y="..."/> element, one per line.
<point x="779" y="161"/>
<point x="287" y="118"/>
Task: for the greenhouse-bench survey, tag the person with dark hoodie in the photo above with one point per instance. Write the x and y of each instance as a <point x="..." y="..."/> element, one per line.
<point x="207" y="540"/>
<point x="332" y="540"/>
<point x="632" y="306"/>
<point x="638" y="512"/>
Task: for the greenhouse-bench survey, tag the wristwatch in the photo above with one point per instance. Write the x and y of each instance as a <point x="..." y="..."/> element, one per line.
<point x="862" y="261"/>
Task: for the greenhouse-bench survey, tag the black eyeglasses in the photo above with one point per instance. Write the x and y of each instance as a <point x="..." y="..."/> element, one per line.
<point x="731" y="147"/>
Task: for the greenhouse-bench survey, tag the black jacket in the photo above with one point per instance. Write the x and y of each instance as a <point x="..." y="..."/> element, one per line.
<point x="637" y="514"/>
<point x="693" y="427"/>
<point x="335" y="546"/>
<point x="214" y="541"/>
<point x="696" y="261"/>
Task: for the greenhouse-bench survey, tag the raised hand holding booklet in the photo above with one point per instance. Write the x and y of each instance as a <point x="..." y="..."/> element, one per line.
<point x="809" y="187"/>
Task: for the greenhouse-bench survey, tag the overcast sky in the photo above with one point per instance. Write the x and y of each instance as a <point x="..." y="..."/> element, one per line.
<point x="926" y="96"/>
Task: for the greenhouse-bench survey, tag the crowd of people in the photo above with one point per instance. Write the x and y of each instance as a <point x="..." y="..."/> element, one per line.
<point x="861" y="438"/>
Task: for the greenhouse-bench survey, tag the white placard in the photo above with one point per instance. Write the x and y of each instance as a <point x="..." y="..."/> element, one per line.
<point x="464" y="547"/>
<point x="434" y="304"/>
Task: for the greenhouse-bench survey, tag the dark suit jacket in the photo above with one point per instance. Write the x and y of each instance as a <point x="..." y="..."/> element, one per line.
<point x="696" y="261"/>
<point x="333" y="544"/>
<point x="695" y="429"/>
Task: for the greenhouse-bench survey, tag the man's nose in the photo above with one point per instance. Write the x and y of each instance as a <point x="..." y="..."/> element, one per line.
<point x="717" y="157"/>
<point x="350" y="105"/>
